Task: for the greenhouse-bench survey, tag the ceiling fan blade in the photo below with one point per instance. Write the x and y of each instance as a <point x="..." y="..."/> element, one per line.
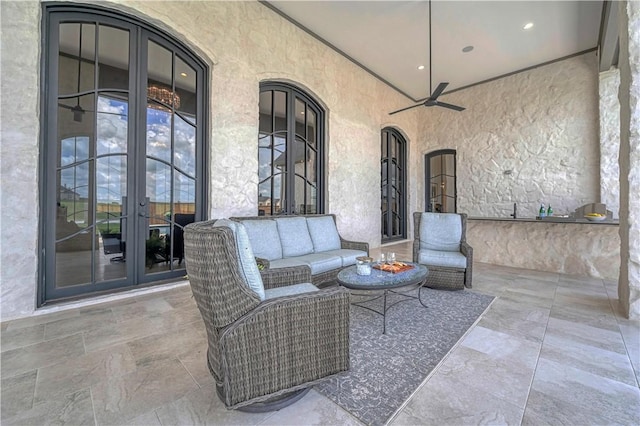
<point x="438" y="91"/>
<point x="404" y="109"/>
<point x="454" y="107"/>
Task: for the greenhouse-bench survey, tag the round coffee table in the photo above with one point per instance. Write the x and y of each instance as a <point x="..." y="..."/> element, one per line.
<point x="380" y="283"/>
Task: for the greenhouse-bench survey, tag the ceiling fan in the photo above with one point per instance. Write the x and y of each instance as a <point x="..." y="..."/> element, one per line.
<point x="433" y="99"/>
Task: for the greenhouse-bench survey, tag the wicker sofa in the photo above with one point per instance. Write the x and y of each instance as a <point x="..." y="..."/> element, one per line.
<point x="304" y="241"/>
<point x="271" y="334"/>
<point x="440" y="243"/>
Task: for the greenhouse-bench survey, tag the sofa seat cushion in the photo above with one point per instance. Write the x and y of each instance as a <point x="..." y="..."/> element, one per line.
<point x="440" y="231"/>
<point x="247" y="265"/>
<point x="348" y="256"/>
<point x="318" y="262"/>
<point x="294" y="236"/>
<point x="450" y="259"/>
<point x="290" y="290"/>
<point x="264" y="237"/>
<point x="324" y="233"/>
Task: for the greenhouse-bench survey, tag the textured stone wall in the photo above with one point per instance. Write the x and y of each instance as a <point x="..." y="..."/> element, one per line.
<point x="19" y="132"/>
<point x="567" y="248"/>
<point x="629" y="95"/>
<point x="542" y="125"/>
<point x="610" y="140"/>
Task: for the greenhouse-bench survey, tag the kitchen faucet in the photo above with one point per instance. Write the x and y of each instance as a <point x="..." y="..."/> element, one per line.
<point x="515" y="213"/>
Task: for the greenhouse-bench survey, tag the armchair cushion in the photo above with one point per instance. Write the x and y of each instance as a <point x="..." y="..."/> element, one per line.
<point x="294" y="236"/>
<point x="324" y="233"/>
<point x="248" y="267"/>
<point x="290" y="290"/>
<point x="440" y="231"/>
<point x="348" y="256"/>
<point x="450" y="259"/>
<point x="265" y="240"/>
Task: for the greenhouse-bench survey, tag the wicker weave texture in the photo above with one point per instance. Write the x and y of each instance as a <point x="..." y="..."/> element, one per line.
<point x="259" y="350"/>
<point x="446" y="278"/>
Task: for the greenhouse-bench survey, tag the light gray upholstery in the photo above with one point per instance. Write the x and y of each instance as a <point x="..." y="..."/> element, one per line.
<point x="290" y="290"/>
<point x="440" y="231"/>
<point x="318" y="262"/>
<point x="450" y="259"/>
<point x="247" y="265"/>
<point x="264" y="237"/>
<point x="294" y="236"/>
<point x="348" y="256"/>
<point x="324" y="233"/>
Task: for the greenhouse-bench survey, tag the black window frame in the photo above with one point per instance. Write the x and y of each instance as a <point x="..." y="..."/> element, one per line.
<point x="400" y="161"/>
<point x="427" y="177"/>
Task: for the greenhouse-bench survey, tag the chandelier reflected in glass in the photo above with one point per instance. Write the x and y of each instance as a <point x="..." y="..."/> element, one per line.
<point x="163" y="94"/>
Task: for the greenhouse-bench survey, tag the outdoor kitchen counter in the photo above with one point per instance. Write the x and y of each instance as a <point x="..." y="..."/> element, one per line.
<point x="549" y="220"/>
<point x="547" y="245"/>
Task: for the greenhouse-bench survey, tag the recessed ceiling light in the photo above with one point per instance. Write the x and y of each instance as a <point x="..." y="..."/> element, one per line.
<point x="184" y="74"/>
<point x="420" y="67"/>
<point x="467" y="49"/>
<point x="528" y="26"/>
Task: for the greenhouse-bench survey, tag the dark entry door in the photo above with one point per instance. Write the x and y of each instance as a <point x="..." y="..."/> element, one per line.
<point x="123" y="155"/>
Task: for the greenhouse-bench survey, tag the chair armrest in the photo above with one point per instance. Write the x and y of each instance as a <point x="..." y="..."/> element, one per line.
<point x="285" y="344"/>
<point x="280" y="277"/>
<point x="354" y="245"/>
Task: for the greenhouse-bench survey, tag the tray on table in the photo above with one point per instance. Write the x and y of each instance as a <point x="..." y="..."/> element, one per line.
<point x="393" y="268"/>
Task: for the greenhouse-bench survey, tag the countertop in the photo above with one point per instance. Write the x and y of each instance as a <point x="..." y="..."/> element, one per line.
<point x="548" y="220"/>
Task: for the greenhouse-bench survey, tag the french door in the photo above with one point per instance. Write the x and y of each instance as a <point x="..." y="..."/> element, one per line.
<point x="123" y="153"/>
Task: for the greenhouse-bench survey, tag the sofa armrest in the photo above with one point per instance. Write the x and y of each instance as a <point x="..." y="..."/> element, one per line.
<point x="280" y="277"/>
<point x="467" y="250"/>
<point x="263" y="263"/>
<point x="354" y="245"/>
<point x="288" y="342"/>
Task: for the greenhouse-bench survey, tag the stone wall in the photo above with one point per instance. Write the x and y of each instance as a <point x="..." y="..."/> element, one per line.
<point x="629" y="95"/>
<point x="541" y="125"/>
<point x="610" y="140"/>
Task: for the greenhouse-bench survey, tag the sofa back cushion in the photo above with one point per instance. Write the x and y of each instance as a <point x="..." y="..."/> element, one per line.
<point x="324" y="233"/>
<point x="264" y="237"/>
<point x="440" y="231"/>
<point x="247" y="265"/>
<point x="294" y="236"/>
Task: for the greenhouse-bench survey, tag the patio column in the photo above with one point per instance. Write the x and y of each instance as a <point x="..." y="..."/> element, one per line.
<point x="629" y="95"/>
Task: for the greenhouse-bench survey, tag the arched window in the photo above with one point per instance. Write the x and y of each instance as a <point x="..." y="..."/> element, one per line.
<point x="290" y="151"/>
<point x="393" y="185"/>
<point x="123" y="151"/>
<point x="440" y="181"/>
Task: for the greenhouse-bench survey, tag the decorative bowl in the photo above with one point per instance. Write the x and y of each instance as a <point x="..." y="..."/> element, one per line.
<point x="596" y="218"/>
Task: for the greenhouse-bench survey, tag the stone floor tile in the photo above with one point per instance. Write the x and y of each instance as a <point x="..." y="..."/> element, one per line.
<point x="503" y="346"/>
<point x="196" y="364"/>
<point x="602" y="362"/>
<point x="587" y="316"/>
<point x="529" y="313"/>
<point x="527" y="299"/>
<point x="79" y="373"/>
<point x="16" y="394"/>
<point x="50" y="352"/>
<point x="71" y="409"/>
<point x="41" y="319"/>
<point x="449" y="401"/>
<point x="598" y="303"/>
<point x="312" y="409"/>
<point x="19" y="337"/>
<point x="176" y="343"/>
<point x="514" y="322"/>
<point x="118" y="400"/>
<point x="91" y="319"/>
<point x="504" y="378"/>
<point x="586" y="334"/>
<point x="593" y="394"/>
<point x="203" y="407"/>
<point x="141" y="309"/>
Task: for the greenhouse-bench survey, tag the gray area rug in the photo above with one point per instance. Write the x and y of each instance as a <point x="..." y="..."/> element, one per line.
<point x="387" y="369"/>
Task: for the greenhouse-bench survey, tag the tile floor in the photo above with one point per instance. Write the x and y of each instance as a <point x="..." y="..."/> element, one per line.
<point x="552" y="349"/>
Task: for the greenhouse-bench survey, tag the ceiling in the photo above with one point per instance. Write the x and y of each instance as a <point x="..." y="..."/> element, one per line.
<point x="390" y="39"/>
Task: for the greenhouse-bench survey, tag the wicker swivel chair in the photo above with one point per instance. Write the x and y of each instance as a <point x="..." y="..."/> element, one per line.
<point x="440" y="243"/>
<point x="266" y="346"/>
